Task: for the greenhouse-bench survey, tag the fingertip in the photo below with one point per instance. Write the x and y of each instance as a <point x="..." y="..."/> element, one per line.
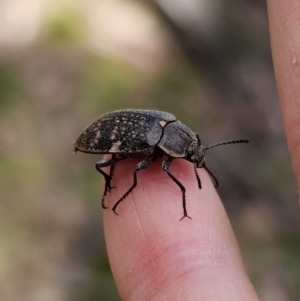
<point x="151" y="246"/>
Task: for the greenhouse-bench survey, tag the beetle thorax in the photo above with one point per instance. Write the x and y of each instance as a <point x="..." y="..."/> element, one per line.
<point x="196" y="154"/>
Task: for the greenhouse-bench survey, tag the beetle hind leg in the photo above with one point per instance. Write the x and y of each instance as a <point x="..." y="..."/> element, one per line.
<point x="166" y="166"/>
<point x="108" y="178"/>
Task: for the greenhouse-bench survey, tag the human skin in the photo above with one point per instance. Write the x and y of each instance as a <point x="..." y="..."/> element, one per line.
<point x="284" y="20"/>
<point x="154" y="255"/>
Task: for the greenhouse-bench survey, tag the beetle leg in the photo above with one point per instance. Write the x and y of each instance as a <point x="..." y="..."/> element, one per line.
<point x="105" y="163"/>
<point x="111" y="172"/>
<point x="197" y="176"/>
<point x="166" y="166"/>
<point x="141" y="165"/>
<point x="216" y="182"/>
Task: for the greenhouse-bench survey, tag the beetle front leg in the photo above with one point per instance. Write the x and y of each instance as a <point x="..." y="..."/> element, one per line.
<point x="166" y="166"/>
<point x="197" y="176"/>
<point x="106" y="163"/>
<point x="216" y="182"/>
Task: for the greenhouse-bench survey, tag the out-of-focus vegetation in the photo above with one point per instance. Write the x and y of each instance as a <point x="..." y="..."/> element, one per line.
<point x="62" y="65"/>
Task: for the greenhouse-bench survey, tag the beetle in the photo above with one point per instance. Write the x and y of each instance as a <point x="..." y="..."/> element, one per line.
<point x="147" y="134"/>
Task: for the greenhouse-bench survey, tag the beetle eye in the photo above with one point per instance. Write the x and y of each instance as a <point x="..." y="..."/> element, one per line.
<point x="190" y="154"/>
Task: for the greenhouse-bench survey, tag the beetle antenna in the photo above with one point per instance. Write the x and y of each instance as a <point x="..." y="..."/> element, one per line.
<point x="227" y="142"/>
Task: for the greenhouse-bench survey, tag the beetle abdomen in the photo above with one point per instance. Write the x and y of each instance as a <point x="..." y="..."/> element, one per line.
<point x="124" y="132"/>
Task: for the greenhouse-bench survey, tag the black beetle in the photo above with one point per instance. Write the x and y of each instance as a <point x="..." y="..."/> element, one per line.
<point x="143" y="133"/>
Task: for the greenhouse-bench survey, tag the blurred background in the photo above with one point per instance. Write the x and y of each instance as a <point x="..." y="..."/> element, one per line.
<point x="63" y="63"/>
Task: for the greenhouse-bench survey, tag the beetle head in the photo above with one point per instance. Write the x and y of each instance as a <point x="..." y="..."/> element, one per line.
<point x="196" y="153"/>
